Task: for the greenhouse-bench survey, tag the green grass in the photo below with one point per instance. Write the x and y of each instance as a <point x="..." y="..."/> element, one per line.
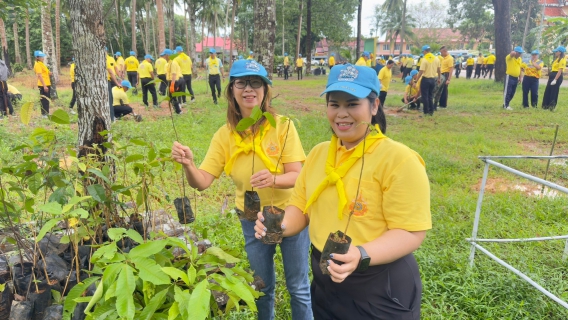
<point x="450" y="142"/>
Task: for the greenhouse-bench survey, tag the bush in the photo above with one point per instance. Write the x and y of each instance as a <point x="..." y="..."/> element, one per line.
<point x="18" y="67"/>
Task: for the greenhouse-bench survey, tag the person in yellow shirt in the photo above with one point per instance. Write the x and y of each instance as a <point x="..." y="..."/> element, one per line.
<point x="160" y="67"/>
<point x="402" y="61"/>
<point x="146" y="75"/>
<point x="384" y="200"/>
<point x="446" y="69"/>
<point x="215" y="72"/>
<point x="430" y="74"/>
<point x="43" y="82"/>
<point x="489" y="63"/>
<point x="120" y="65"/>
<point x="478" y="65"/>
<point x="532" y="71"/>
<point x="286" y="65"/>
<point x="408" y="65"/>
<point x="300" y="66"/>
<point x="228" y="152"/>
<point x="112" y="80"/>
<point x="513" y="76"/>
<point x="15" y="97"/>
<point x="132" y="65"/>
<point x="385" y="76"/>
<point x="470" y="62"/>
<point x="72" y="76"/>
<point x="120" y="101"/>
<point x="185" y="64"/>
<point x="331" y="61"/>
<point x="251" y="56"/>
<point x="173" y="75"/>
<point x="371" y="62"/>
<point x="412" y="91"/>
<point x="363" y="59"/>
<point x="555" y="78"/>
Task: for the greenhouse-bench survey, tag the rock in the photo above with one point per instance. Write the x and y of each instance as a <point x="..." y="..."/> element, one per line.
<point x="56" y="267"/>
<point x="53" y="313"/>
<point x="51" y="243"/>
<point x="21" y="310"/>
<point x="203" y="245"/>
<point x="221" y="299"/>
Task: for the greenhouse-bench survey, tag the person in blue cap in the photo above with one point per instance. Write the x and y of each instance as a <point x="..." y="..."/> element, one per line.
<point x="43" y="82"/>
<point x="160" y="66"/>
<point x="363" y="59"/>
<point x="377" y="186"/>
<point x="146" y="75"/>
<point x="412" y="91"/>
<point x="229" y="152"/>
<point x="121" y="103"/>
<point x="430" y="72"/>
<point x="286" y="65"/>
<point x="532" y="70"/>
<point x="215" y="71"/>
<point x="174" y="79"/>
<point x="513" y="76"/>
<point x="132" y="65"/>
<point x="186" y="65"/>
<point x="555" y="78"/>
<point x="251" y="56"/>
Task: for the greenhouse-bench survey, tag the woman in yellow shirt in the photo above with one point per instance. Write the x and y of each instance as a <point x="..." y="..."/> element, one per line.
<point x="380" y="188"/>
<point x="469" y="66"/>
<point x="43" y="82"/>
<point x="554" y="79"/>
<point x="230" y="151"/>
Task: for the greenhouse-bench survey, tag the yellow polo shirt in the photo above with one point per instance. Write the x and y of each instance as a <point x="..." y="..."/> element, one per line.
<point x="184" y="62"/>
<point x="145" y="70"/>
<point x="161" y="66"/>
<point x="447" y="64"/>
<point x="490" y="59"/>
<point x="214" y="66"/>
<point x="368" y="62"/>
<point x="385" y="76"/>
<point x="41" y="68"/>
<point x="120" y="62"/>
<point x="72" y="72"/>
<point x="513" y="66"/>
<point x="331" y="61"/>
<point x="480" y="60"/>
<point x="172" y="67"/>
<point x="558" y="65"/>
<point x="411" y="90"/>
<point x="402" y="61"/>
<point x="299" y="62"/>
<point x="223" y="145"/>
<point x="110" y="63"/>
<point x="132" y="64"/>
<point x="430" y="65"/>
<point x="394" y="193"/>
<point x="286" y="61"/>
<point x="361" y="62"/>
<point x="470" y="61"/>
<point x="409" y="63"/>
<point x="117" y="95"/>
<point x="531" y="71"/>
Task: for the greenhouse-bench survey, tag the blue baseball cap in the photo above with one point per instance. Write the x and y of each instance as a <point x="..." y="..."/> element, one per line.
<point x="251" y="52"/>
<point x="535" y="52"/>
<point x="126" y="84"/>
<point x="132" y="53"/>
<point x="560" y="48"/>
<point x="241" y="58"/>
<point x="407" y="79"/>
<point x="413" y="73"/>
<point x="39" y="54"/>
<point x="299" y="54"/>
<point x="212" y="51"/>
<point x="285" y="54"/>
<point x="167" y="52"/>
<point x="118" y="54"/>
<point x="333" y="54"/>
<point x="358" y="81"/>
<point x="179" y="49"/>
<point x="519" y="49"/>
<point x="425" y="47"/>
<point x="149" y="56"/>
<point x="244" y="68"/>
<point x="365" y="54"/>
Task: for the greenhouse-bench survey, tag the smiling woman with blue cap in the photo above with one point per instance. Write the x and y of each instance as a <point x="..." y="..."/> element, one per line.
<point x="555" y="78"/>
<point x="382" y="185"/>
<point x="230" y="152"/>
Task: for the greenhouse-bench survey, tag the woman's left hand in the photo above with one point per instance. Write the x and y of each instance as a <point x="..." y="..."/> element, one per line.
<point x="262" y="179"/>
<point x="350" y="263"/>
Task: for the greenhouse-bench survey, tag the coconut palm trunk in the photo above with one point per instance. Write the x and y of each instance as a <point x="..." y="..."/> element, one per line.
<point x="133" y="23"/>
<point x="17" y="54"/>
<point x="161" y="30"/>
<point x="265" y="33"/>
<point x="49" y="47"/>
<point x="28" y="51"/>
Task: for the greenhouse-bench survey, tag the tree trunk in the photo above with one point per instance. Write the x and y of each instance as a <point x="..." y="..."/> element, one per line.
<point x="49" y="47"/>
<point x="186" y="27"/>
<point x="358" y="46"/>
<point x="144" y="29"/>
<point x="192" y="33"/>
<point x="133" y="23"/>
<point x="265" y="33"/>
<point x="226" y="24"/>
<point x="161" y="31"/>
<point x="283" y="32"/>
<point x="309" y="37"/>
<point x="232" y="34"/>
<point x="171" y="24"/>
<point x="4" y="43"/>
<point x="118" y="21"/>
<point x="203" y="41"/>
<point x="299" y="30"/>
<point x="58" y="33"/>
<point x="17" y="54"/>
<point x="502" y="24"/>
<point x="402" y="26"/>
<point x="154" y="36"/>
<point x="28" y="51"/>
<point x="527" y="23"/>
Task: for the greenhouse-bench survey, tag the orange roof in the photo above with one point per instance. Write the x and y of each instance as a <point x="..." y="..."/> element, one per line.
<point x="553" y="2"/>
<point x="554" y="12"/>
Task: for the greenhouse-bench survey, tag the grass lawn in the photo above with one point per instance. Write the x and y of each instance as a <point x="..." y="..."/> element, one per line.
<point x="474" y="124"/>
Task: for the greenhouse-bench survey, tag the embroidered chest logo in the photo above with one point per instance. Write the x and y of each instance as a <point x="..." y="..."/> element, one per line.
<point x="272" y="149"/>
<point x="359" y="206"/>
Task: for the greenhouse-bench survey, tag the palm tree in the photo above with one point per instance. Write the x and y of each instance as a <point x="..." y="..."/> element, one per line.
<point x="398" y="7"/>
<point x="395" y="25"/>
<point x="28" y="51"/>
<point x="48" y="46"/>
<point x="161" y="31"/>
<point x="58" y="33"/>
<point x="133" y="23"/>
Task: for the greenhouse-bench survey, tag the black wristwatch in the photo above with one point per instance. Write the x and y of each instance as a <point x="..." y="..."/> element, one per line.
<point x="365" y="260"/>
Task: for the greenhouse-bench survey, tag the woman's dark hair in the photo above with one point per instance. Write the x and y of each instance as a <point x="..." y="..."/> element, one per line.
<point x="561" y="56"/>
<point x="380" y="118"/>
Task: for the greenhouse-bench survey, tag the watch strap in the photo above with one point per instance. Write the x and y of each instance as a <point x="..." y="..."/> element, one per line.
<point x="364" y="261"/>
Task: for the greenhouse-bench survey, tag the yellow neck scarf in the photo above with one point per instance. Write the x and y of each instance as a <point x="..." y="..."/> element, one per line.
<point x="247" y="147"/>
<point x="334" y="175"/>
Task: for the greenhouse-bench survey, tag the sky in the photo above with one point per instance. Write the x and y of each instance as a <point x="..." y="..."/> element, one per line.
<point x="368" y="9"/>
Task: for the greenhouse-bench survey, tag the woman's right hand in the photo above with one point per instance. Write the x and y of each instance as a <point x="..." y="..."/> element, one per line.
<point x="260" y="229"/>
<point x="182" y="154"/>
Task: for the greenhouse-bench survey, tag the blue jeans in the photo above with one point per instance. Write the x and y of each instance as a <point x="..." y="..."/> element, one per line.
<point x="530" y="84"/>
<point x="295" y="256"/>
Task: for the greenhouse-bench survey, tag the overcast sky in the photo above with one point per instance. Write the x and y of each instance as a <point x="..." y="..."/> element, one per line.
<point x="369" y="8"/>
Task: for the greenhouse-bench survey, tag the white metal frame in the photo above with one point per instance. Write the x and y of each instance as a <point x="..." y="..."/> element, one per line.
<point x="474" y="241"/>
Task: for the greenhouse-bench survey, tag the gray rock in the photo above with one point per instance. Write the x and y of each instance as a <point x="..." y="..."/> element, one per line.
<point x="57" y="268"/>
<point x="53" y="313"/>
<point x="21" y="310"/>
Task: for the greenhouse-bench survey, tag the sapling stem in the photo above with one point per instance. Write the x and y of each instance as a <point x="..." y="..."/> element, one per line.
<point x="278" y="163"/>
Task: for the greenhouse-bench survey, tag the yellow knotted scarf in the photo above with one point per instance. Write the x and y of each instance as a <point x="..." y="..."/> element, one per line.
<point x="334" y="175"/>
<point x="247" y="147"/>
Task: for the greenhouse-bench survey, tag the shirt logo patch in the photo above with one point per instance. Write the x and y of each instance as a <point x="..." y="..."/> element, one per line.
<point x="358" y="207"/>
<point x="252" y="66"/>
<point x="272" y="149"/>
<point x="348" y="74"/>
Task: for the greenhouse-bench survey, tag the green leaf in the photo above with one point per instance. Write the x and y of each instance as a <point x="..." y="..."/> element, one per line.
<point x="179" y="243"/>
<point x="182" y="297"/>
<point x="173" y="313"/>
<point x="176" y="274"/>
<point x="153" y="305"/>
<point x="97" y="192"/>
<point x="241" y="290"/>
<point x="256" y="114"/>
<point x="73" y="201"/>
<point x="180" y="94"/>
<point x="95" y="298"/>
<point x="270" y="119"/>
<point x="109" y="276"/>
<point x="79" y="212"/>
<point x="51" y="207"/>
<point x="134" y="157"/>
<point x="60" y="116"/>
<point x="191" y="275"/>
<point x="125" y="286"/>
<point x="46" y="227"/>
<point x="245" y="123"/>
<point x="199" y="301"/>
<point x="74" y="293"/>
<point x="219" y="253"/>
<point x="26" y="112"/>
<point x="116" y="234"/>
<point x="149" y="270"/>
<point x="147" y="249"/>
<point x="139" y="142"/>
<point x="99" y="174"/>
<point x="134" y="235"/>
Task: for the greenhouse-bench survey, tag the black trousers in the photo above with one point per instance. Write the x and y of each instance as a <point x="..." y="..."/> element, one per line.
<point x="489" y="70"/>
<point x="215" y="82"/>
<point x="477" y="71"/>
<point x="286" y="68"/>
<point x="148" y="88"/>
<point x="407" y="71"/>
<point x="73" y="98"/>
<point x="402" y="71"/>
<point x="458" y="70"/>
<point x="44" y="102"/>
<point x="133" y="78"/>
<point x="382" y="97"/>
<point x="389" y="291"/>
<point x="187" y="85"/>
<point x="468" y="72"/>
<point x="299" y="70"/>
<point x="5" y="103"/>
<point x="173" y="100"/>
<point x="110" y="85"/>
<point x="510" y="89"/>
<point x="121" y="111"/>
<point x="530" y="84"/>
<point x="163" y="84"/>
<point x="551" y="92"/>
<point x="427" y="91"/>
<point x="443" y="102"/>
